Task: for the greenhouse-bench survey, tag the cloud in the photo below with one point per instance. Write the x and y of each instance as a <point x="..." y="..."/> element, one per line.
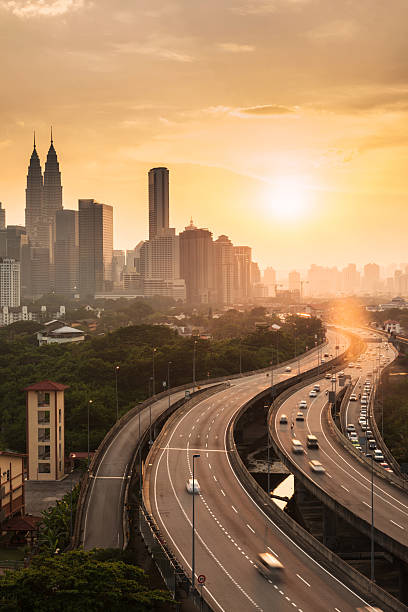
<point x="154" y="50"/>
<point x="41" y="8"/>
<point x="334" y="30"/>
<point x="235" y="48"/>
<point x="267" y="109"/>
<point x="266" y="7"/>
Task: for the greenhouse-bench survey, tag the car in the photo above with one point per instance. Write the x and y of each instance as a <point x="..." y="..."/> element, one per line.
<point x="363" y="426"/>
<point x="358" y="447"/>
<point x="350" y="427"/>
<point x="326" y="355"/>
<point x="300" y="416"/>
<point x="312" y="441"/>
<point x="323" y="361"/>
<point x="313" y="393"/>
<point x="384" y="465"/>
<point x="328" y="376"/>
<point x="297" y="446"/>
<point x="333" y="379"/>
<point x="303" y="404"/>
<point x="192" y="486"/>
<point x="354" y="442"/>
<point x="372" y="444"/>
<point x="378" y="455"/>
<point x="351" y="365"/>
<point x="353" y="435"/>
<point x="358" y="367"/>
<point x="353" y="397"/>
<point x="364" y="397"/>
<point x="316" y="387"/>
<point x="369" y="434"/>
<point x="288" y="369"/>
<point x="283" y="419"/>
<point x="316" y="466"/>
<point x="268" y="565"/>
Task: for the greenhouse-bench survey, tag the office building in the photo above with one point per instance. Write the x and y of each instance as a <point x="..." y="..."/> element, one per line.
<point x="371" y="278"/>
<point x="243" y="262"/>
<point x="160" y="256"/>
<point x="350" y="279"/>
<point x="9" y="282"/>
<point x="2" y="217"/>
<point x="197" y="264"/>
<point x="66" y="252"/>
<point x="224" y="270"/>
<point x="269" y="280"/>
<point x="38" y="230"/>
<point x="294" y="281"/>
<point x="39" y="272"/>
<point x="158" y="201"/>
<point x="118" y="266"/>
<point x="52" y="193"/>
<point x="45" y="430"/>
<point x="95" y="247"/>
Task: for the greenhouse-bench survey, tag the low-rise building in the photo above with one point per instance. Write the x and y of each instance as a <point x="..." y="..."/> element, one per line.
<point x="58" y="334"/>
<point x="12" y="485"/>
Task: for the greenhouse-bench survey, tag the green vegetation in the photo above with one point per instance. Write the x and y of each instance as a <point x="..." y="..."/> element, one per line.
<point x="79" y="580"/>
<point x="393" y="393"/>
<point x="89" y="368"/>
<point x="57" y="523"/>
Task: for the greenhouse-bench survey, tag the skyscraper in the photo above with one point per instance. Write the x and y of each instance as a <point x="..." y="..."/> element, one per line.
<point x="95" y="247"/>
<point x="52" y="193"/>
<point x="158" y="201"/>
<point x="9" y="282"/>
<point x="66" y="252"/>
<point x="243" y="259"/>
<point x="2" y="218"/>
<point x="224" y="270"/>
<point x="36" y="221"/>
<point x="197" y="264"/>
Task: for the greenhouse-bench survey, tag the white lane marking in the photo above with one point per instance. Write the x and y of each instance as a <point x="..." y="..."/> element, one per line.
<point x="337" y="610"/>
<point x="303" y="580"/>
<point x="249" y="527"/>
<point x="272" y="551"/>
<point x="215" y="478"/>
<point x="209" y="465"/>
<point x="329" y="475"/>
<point x="345" y="488"/>
<point x="234" y="509"/>
<point x="365" y="503"/>
<point x="222" y="492"/>
<point x="394" y="523"/>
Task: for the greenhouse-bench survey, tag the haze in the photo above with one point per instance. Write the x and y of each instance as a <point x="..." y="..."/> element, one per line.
<point x="283" y="122"/>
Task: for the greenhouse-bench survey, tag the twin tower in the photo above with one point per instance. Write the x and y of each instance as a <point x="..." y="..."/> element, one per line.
<point x="43" y="199"/>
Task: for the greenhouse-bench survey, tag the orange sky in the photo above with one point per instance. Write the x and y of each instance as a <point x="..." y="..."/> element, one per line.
<point x="283" y="122"/>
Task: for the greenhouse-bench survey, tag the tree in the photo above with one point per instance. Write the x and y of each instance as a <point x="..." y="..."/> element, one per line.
<point x="79" y="580"/>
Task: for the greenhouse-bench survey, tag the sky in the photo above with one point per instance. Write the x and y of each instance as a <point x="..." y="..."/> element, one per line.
<point x="284" y="123"/>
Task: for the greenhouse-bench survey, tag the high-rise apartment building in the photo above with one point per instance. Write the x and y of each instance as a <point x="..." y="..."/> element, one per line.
<point x="39" y="272"/>
<point x="118" y="266"/>
<point x="294" y="281"/>
<point x="95" y="247"/>
<point x="66" y="252"/>
<point x="2" y="218"/>
<point x="224" y="270"/>
<point x="160" y="256"/>
<point x="269" y="280"/>
<point x="350" y="279"/>
<point x="197" y="264"/>
<point x="243" y="262"/>
<point x="158" y="201"/>
<point x="9" y="282"/>
<point x="371" y="278"/>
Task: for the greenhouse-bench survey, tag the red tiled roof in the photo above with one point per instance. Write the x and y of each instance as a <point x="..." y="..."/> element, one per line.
<point x="46" y="385"/>
<point x="22" y="523"/>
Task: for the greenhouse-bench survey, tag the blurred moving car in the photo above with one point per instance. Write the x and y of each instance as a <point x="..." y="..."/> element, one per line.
<point x="300" y="416"/>
<point x="283" y="419"/>
<point x="288" y="369"/>
<point x="297" y="446"/>
<point x="268" y="565"/>
<point x="316" y="466"/>
<point x="192" y="486"/>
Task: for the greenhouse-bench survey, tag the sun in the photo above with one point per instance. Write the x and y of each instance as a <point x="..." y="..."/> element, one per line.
<point x="288" y="198"/>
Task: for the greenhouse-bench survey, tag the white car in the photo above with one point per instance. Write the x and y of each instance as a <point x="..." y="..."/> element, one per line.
<point x="353" y="397"/>
<point x="316" y="466"/>
<point x="283" y="419"/>
<point x="303" y="404"/>
<point x="313" y="393"/>
<point x="300" y="416"/>
<point x="288" y="369"/>
<point x="316" y="387"/>
<point x="192" y="486"/>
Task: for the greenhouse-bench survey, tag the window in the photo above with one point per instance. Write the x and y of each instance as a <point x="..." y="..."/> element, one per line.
<point x="44" y="468"/>
<point x="43" y="398"/>
<point x="59" y="415"/>
<point x="43" y="434"/>
<point x="43" y="417"/>
<point x="44" y="452"/>
<point x="59" y="432"/>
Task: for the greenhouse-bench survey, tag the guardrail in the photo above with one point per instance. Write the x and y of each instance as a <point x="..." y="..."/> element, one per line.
<point x="84" y="493"/>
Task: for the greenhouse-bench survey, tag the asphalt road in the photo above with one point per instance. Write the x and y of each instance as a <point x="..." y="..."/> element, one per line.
<point x="231" y="530"/>
<point x="346" y="480"/>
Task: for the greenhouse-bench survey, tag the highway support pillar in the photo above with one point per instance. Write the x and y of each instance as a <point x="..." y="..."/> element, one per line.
<point x="403" y="581"/>
<point x="330" y="527"/>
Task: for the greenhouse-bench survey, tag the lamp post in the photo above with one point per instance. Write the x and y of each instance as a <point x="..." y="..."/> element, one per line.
<point x="116" y="391"/>
<point x="372" y="521"/>
<point x="89" y="405"/>
<point x="168" y="380"/>
<point x="194" y="365"/>
<point x="150" y="420"/>
<point x="153" y="374"/>
<point x="193" y="534"/>
<point x="240" y="357"/>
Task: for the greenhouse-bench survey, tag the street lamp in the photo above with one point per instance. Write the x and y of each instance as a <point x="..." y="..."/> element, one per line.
<point x="194" y="364"/>
<point x="372" y="520"/>
<point x="240" y="356"/>
<point x="153" y="377"/>
<point x="193" y="534"/>
<point x="150" y="420"/>
<point x="89" y="405"/>
<point x="116" y="390"/>
<point x="168" y="380"/>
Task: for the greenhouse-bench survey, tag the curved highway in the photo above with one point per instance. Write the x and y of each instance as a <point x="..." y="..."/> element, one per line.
<point x="346" y="479"/>
<point x="231" y="530"/>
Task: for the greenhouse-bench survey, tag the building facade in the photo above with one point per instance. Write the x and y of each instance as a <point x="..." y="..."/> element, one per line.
<point x="9" y="282"/>
<point x="95" y="247"/>
<point x="11" y="484"/>
<point x="66" y="252"/>
<point x="45" y="430"/>
<point x="197" y="264"/>
<point x="224" y="270"/>
<point x="158" y="201"/>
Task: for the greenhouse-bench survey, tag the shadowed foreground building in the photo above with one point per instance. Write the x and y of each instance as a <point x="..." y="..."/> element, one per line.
<point x="197" y="264"/>
<point x="95" y="247"/>
<point x="45" y="430"/>
<point x="67" y="253"/>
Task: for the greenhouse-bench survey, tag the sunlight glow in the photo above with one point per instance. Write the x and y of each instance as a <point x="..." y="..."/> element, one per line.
<point x="288" y="199"/>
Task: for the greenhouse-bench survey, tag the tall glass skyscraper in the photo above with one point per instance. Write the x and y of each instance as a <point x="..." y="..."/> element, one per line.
<point x="158" y="201"/>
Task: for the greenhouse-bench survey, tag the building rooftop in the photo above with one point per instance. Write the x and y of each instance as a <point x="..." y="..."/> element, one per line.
<point x="46" y="385"/>
<point x="66" y="330"/>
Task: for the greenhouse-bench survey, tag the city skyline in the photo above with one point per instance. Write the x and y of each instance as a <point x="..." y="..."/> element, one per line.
<point x="264" y="132"/>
